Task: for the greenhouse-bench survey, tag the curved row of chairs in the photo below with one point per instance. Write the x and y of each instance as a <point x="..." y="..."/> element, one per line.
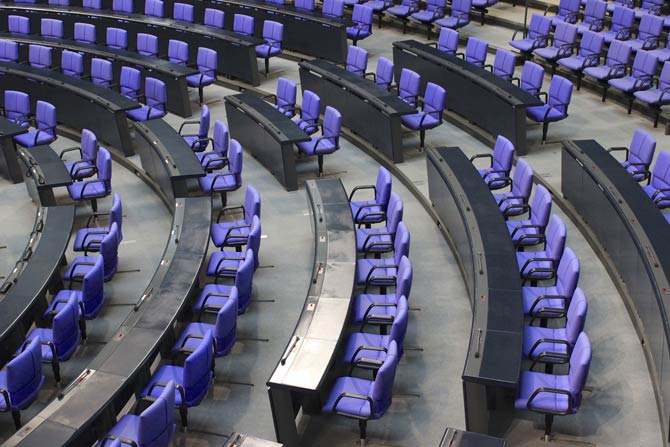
<point x="587" y="58"/>
<point x="553" y="304"/>
<point x="569" y="10"/>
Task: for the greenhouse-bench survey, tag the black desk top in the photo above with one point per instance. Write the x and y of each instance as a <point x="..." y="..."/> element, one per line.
<point x="171" y="147"/>
<point x="126" y="57"/>
<point x="282" y="128"/>
<point x="287" y="10"/>
<point x="364" y="88"/>
<point x="513" y="94"/>
<point x="207" y="31"/>
<point x="312" y="348"/>
<point x="112" y="375"/>
<point x="494" y="354"/>
<point x="461" y="438"/>
<point x="50" y="169"/>
<point x="39" y="268"/>
<point x="10" y="128"/>
<point x="106" y="97"/>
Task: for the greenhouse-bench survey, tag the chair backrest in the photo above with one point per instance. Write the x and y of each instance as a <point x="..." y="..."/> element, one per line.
<point x="618" y="53"/>
<point x="383" y="187"/>
<point x="155" y="93"/>
<point x="664" y="78"/>
<point x="153" y="8"/>
<point x="311" y="107"/>
<point x="567" y="274"/>
<point x="89" y="145"/>
<point x="580" y="363"/>
<point x="66" y="328"/>
<point x="123" y="6"/>
<point x="644" y="64"/>
<point x="622" y="18"/>
<point x="273" y="33"/>
<point x="307" y="5"/>
<point x="557" y="233"/>
<point x="560" y="94"/>
<point x="214" y="18"/>
<point x="650" y="26"/>
<point x="156" y="423"/>
<point x="92" y="4"/>
<point x="24" y="372"/>
<point x="394" y="213"/>
<point x="207" y="61"/>
<point x="504" y="63"/>
<point x="399" y="326"/>
<point x="461" y="10"/>
<point x="221" y="138"/>
<point x="357" y="60"/>
<point x="382" y="387"/>
<point x="92" y="291"/>
<point x="39" y="56"/>
<point x="59" y="2"/>
<point x="539" y="26"/>
<point x="401" y="243"/>
<point x="243" y="24"/>
<point x="642" y="148"/>
<point x="72" y="63"/>
<point x="332" y="124"/>
<point x="408" y="85"/>
<point x="661" y="175"/>
<point x="594" y="10"/>
<point x="203" y="128"/>
<point x="432" y="5"/>
<point x="333" y="8"/>
<point x="591" y="43"/>
<point x="448" y="41"/>
<point x="17" y="106"/>
<point x="532" y="76"/>
<point x="565" y="34"/>
<point x="18" y="24"/>
<point x="362" y="15"/>
<point x="101" y="72"/>
<point x="52" y="28"/>
<point x="104" y="167"/>
<point x="177" y="52"/>
<point x="576" y="316"/>
<point x="244" y="278"/>
<point x="45" y="115"/>
<point x="198" y="370"/>
<point x="566" y="7"/>
<point x="84" y="32"/>
<point x="235" y="160"/>
<point x="287" y="92"/>
<point x="130" y="82"/>
<point x="254" y="240"/>
<point x="434" y="99"/>
<point x="475" y="51"/>
<point x="117" y="38"/>
<point x="523" y="179"/>
<point x="183" y="12"/>
<point x="540" y="207"/>
<point x="147" y="44"/>
<point x="404" y="277"/>
<point x="116" y="214"/>
<point x="252" y="204"/>
<point x="109" y="248"/>
<point x="503" y="154"/>
<point x="9" y="51"/>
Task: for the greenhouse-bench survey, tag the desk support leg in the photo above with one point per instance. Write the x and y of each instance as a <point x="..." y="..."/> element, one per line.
<point x="283" y="416"/>
<point x="10" y="161"/>
<point x="519" y="129"/>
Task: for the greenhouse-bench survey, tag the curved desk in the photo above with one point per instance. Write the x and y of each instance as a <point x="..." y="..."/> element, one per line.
<point x="302" y="373"/>
<point x="487" y="258"/>
<point x="79" y="104"/>
<point x="9" y="164"/>
<point x="23" y="295"/>
<point x="167" y="158"/>
<point x="367" y="109"/>
<point x="635" y="235"/>
<point x="46" y="171"/>
<point x="91" y="402"/>
<point x="174" y="75"/>
<point x="496" y="105"/>
<point x="236" y="52"/>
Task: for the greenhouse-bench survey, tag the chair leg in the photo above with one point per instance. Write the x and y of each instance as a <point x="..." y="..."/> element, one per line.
<point x="94" y="205"/>
<point x="354" y="43"/>
<point x="548" y="422"/>
<point x="183" y="413"/>
<point x="482" y="19"/>
<point x="545" y="127"/>
<point x="267" y="66"/>
<point x="55" y="366"/>
<point x="224" y="198"/>
<point x="380" y="19"/>
<point x="16" y="415"/>
<point x="362" y="428"/>
<point x="429" y="29"/>
<point x="579" y="80"/>
<point x="82" y="327"/>
<point x="630" y="104"/>
<point x="320" y="159"/>
<point x="404" y="26"/>
<point x="657" y="115"/>
<point x="422" y="138"/>
<point x="201" y="94"/>
<point x="604" y="92"/>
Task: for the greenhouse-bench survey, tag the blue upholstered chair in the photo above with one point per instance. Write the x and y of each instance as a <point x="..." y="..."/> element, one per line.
<point x="503" y="64"/>
<point x="72" y="64"/>
<point x="89" y="238"/>
<point x="663" y="54"/>
<point x="40" y="56"/>
<point x="147" y="44"/>
<point x="51" y="28"/>
<point x="363" y="399"/>
<point x="362" y="17"/>
<point x="658" y="97"/>
<point x="305" y="5"/>
<point x="226" y="263"/>
<point x="214" y="18"/>
<point x="178" y="52"/>
<point x="197" y="142"/>
<point x="593" y="17"/>
<point x="567" y="11"/>
<point x="191" y="381"/>
<point x="329" y="140"/>
<point x="97" y="188"/>
<point x="126" y="6"/>
<point x="357" y="60"/>
<point x="615" y="66"/>
<point x="216" y="295"/>
<point x="588" y="55"/>
<point x="18" y="24"/>
<point x="496" y="176"/>
<point x="117" y="38"/>
<point x="243" y="24"/>
<point x="430" y="116"/>
<point x="515" y="201"/>
<point x="659" y="187"/>
<point x="108" y="250"/>
<point x="273" y="34"/>
<point x="434" y="10"/>
<point x="383" y="75"/>
<point x="21" y="380"/>
<point x="374" y="241"/>
<point x="101" y="72"/>
<point x="638" y="155"/>
<point x="553" y="395"/>
<point x="621" y="27"/>
<point x="538" y="35"/>
<point x="309" y="112"/>
<point x="45" y="131"/>
<point x="381" y="309"/>
<point x="130" y="82"/>
<point x="368" y="212"/>
<point x="60" y="340"/>
<point x="447" y="41"/>
<point x="542" y="265"/>
<point x="154" y="98"/>
<point x="182" y="12"/>
<point x="217" y="158"/>
<point x="17" y="107"/>
<point x="225" y="180"/>
<point x="648" y="33"/>
<point x="333" y="8"/>
<point x="648" y="7"/>
<point x="408" y="86"/>
<point x="640" y="78"/>
<point x="404" y="10"/>
<point x="9" y="51"/>
<point x="154" y="8"/>
<point x="562" y="44"/>
<point x="529" y="232"/>
<point x="234" y="233"/>
<point x="458" y="17"/>
<point x="556" y="104"/>
<point x="284" y="100"/>
<point x="84" y="33"/>
<point x="153" y="427"/>
<point x="382" y="273"/>
<point x="475" y="51"/>
<point x="207" y="62"/>
<point x="88" y="154"/>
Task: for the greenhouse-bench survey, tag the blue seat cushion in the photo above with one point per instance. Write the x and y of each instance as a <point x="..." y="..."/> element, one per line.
<point x="362" y="218"/>
<point x="28" y="139"/>
<point x="399" y="11"/>
<point x="94" y="189"/>
<point x="365" y="339"/>
<point x="141" y="113"/>
<point x="451" y="22"/>
<point x="511" y="225"/>
<point x="324" y="146"/>
<point x="218" y="301"/>
<point x="92" y="236"/>
<point x="223" y="183"/>
<point x="533" y="333"/>
<point x="538" y="114"/>
<point x="625" y="84"/>
<point x="220" y="230"/>
<point x="355" y="407"/>
<point x="413" y="121"/>
<point x="530" y="294"/>
<point x="531" y="381"/>
<point x="165" y="374"/>
<point x="365" y="265"/>
<point x="378" y="314"/>
<point x="194" y="328"/>
<point x="78" y="269"/>
<point x="198" y="80"/>
<point x="225" y="262"/>
<point x="424" y="16"/>
<point x="385" y="240"/>
<point x="652" y="97"/>
<point x="267" y="50"/>
<point x="507" y="203"/>
<point x="524" y="45"/>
